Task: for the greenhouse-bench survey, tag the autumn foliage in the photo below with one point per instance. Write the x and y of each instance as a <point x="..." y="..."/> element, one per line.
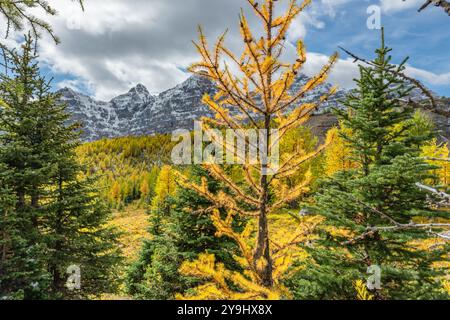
<point x="260" y="92"/>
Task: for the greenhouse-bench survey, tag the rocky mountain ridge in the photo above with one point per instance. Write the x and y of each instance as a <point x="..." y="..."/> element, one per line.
<point x="138" y="112"/>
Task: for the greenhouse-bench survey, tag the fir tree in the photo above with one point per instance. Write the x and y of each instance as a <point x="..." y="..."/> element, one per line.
<point x="376" y="215"/>
<point x="374" y="113"/>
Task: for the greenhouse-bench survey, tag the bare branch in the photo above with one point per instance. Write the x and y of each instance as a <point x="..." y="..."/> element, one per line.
<point x="445" y="5"/>
<point x="445" y="198"/>
<point x="437" y="159"/>
<point x="372" y="231"/>
<point x="413" y="81"/>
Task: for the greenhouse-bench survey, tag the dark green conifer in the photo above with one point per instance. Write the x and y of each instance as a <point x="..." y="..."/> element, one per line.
<point x="56" y="215"/>
<point x="377" y="202"/>
<point x="180" y="236"/>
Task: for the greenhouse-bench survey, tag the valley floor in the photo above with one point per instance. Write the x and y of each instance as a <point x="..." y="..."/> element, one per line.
<point x="132" y="223"/>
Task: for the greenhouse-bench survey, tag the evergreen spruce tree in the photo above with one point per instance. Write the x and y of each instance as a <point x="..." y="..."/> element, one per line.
<point x="77" y="233"/>
<point x="27" y="154"/>
<point x="13" y="250"/>
<point x="176" y="237"/>
<point x="56" y="215"/>
<point x="376" y="215"/>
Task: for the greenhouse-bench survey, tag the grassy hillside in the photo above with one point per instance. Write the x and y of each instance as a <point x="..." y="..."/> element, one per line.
<point x="132" y="222"/>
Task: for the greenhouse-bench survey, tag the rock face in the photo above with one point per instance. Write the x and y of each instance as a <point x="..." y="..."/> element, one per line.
<point x="137" y="112"/>
<point x="140" y="113"/>
<point x="442" y="119"/>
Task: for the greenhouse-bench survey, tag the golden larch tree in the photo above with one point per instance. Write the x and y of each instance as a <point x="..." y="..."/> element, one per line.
<point x="338" y="156"/>
<point x="257" y="96"/>
<point x="164" y="188"/>
<point x="438" y="154"/>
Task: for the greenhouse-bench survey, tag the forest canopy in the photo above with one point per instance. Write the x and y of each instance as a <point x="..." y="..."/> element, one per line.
<point x="360" y="211"/>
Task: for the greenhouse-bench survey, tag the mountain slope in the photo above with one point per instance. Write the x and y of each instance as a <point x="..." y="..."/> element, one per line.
<point x="139" y="113"/>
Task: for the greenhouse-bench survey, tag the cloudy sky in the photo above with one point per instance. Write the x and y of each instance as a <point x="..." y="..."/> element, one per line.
<point x="116" y="44"/>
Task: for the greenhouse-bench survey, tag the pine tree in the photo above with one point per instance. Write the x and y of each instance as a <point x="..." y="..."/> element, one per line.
<point x="260" y="94"/>
<point x="375" y="213"/>
<point x="374" y="112"/>
<point x="78" y="235"/>
<point x="10" y="239"/>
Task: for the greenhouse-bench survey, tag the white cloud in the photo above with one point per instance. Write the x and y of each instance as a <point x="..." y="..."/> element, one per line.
<point x="297" y="30"/>
<point x="429" y="77"/>
<point x="73" y="84"/>
<point x="346" y="70"/>
<point x="116" y="44"/>
<point x="330" y="7"/>
<point x="342" y="74"/>
<point x="398" y="5"/>
<point x="313" y="15"/>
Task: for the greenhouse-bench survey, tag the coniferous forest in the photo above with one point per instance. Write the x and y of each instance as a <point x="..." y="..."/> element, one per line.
<point x="356" y="210"/>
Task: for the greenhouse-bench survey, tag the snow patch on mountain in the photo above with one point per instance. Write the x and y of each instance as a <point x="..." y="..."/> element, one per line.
<point x="138" y="112"/>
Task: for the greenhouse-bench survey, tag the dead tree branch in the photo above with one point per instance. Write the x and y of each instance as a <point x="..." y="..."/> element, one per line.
<point x="445" y="5"/>
<point x="444" y="198"/>
<point x="440" y="194"/>
<point x="397" y="226"/>
<point x="372" y="231"/>
<point x="416" y="83"/>
<point x="437" y="159"/>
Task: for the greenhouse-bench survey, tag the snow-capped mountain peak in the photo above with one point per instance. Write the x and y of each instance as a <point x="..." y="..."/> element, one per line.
<point x="140" y="91"/>
<point x="137" y="112"/>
